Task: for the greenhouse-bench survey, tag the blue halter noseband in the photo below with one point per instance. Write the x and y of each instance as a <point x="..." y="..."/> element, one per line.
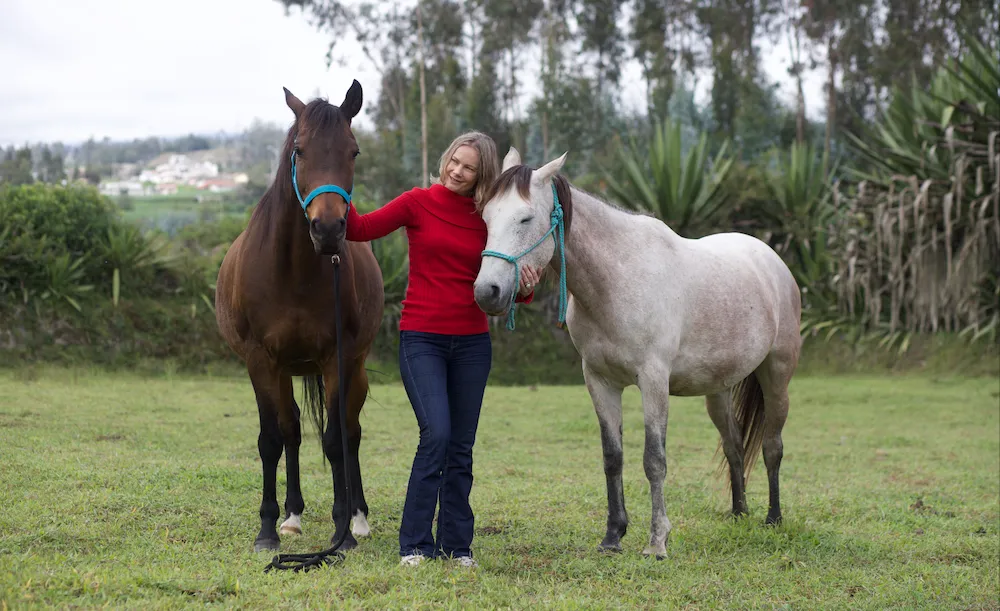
<point x="558" y="228"/>
<point x="318" y="190"/>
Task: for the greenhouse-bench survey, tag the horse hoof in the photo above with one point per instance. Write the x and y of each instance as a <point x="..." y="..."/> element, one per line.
<point x="659" y="554"/>
<point x="266" y="545"/>
<point x="610" y="548"/>
<point x="773" y="521"/>
<point x="348" y="544"/>
<point x="291" y="526"/>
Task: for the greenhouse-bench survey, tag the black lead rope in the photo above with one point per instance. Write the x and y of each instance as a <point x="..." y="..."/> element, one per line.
<point x="333" y="555"/>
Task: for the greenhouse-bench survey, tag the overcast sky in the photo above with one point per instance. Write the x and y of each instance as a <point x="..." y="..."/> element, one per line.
<point x="130" y="68"/>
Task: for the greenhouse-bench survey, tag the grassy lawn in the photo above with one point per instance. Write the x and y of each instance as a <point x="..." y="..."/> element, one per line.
<point x="143" y="493"/>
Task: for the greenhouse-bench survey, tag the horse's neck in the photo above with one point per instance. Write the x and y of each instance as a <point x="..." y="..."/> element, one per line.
<point x="599" y="239"/>
<point x="288" y="243"/>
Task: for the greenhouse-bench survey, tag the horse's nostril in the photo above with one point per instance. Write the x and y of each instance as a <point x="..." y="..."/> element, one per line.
<point x="314" y="225"/>
<point x="494" y="291"/>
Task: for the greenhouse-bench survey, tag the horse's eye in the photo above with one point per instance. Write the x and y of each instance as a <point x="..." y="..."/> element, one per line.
<point x="298" y="151"/>
<point x="356" y="153"/>
<point x="527" y="220"/>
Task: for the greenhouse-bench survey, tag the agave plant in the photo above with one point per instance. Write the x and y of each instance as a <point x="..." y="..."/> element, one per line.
<point x="133" y="256"/>
<point x="920" y="248"/>
<point x="798" y="209"/>
<point x="65" y="280"/>
<point x="683" y="190"/>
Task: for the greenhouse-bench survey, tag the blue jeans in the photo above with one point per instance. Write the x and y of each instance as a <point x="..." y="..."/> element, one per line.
<point x="445" y="378"/>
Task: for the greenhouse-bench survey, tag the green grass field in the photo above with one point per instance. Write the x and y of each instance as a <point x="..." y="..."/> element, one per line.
<point x="170" y="212"/>
<point x="134" y="492"/>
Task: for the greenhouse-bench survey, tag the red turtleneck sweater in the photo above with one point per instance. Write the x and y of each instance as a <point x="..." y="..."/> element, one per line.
<point x="446" y="239"/>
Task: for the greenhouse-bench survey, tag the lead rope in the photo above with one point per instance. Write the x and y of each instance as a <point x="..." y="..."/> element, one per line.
<point x="332" y="555"/>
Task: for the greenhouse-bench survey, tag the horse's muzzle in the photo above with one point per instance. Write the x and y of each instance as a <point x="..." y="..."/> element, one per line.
<point x="328" y="238"/>
<point x="491" y="298"/>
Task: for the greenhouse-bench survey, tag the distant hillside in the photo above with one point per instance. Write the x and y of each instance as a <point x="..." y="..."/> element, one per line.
<point x="227" y="157"/>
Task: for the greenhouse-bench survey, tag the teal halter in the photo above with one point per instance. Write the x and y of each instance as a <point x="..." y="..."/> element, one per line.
<point x="318" y="190"/>
<point x="559" y="228"/>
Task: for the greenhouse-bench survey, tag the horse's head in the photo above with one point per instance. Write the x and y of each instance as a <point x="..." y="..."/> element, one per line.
<point x="521" y="220"/>
<point x="322" y="152"/>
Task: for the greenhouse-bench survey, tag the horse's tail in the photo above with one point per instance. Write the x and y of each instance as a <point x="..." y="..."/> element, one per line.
<point x="315" y="402"/>
<point x="748" y="410"/>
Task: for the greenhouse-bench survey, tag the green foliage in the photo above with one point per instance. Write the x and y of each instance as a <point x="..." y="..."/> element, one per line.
<point x="683" y="190"/>
<point x="16" y="167"/>
<point x="919" y="248"/>
<point x="50" y="244"/>
<point x="58" y="244"/>
<point x="799" y="211"/>
<point x="134" y="257"/>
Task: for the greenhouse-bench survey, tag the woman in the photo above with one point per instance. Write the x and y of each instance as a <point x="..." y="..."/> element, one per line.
<point x="445" y="352"/>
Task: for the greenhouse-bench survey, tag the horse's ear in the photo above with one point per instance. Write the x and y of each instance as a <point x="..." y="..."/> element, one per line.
<point x="293" y="102"/>
<point x="512" y="159"/>
<point x="550" y="169"/>
<point x="351" y="105"/>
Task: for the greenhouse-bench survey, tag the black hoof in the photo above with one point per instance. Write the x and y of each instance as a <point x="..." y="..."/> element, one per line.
<point x="266" y="545"/>
<point x="615" y="548"/>
<point x="772" y="520"/>
<point x="349" y="543"/>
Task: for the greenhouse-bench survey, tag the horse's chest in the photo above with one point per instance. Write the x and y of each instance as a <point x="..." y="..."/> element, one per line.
<point x="296" y="336"/>
<point x="603" y="355"/>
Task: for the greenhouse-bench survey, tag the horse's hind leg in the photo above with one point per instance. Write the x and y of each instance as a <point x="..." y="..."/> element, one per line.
<point x="290" y="422"/>
<point x="720" y="410"/>
<point x="273" y="391"/>
<point x="774" y="375"/>
<point x="608" y="405"/>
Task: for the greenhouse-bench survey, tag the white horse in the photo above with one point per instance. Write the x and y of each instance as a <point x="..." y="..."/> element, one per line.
<point x="717" y="316"/>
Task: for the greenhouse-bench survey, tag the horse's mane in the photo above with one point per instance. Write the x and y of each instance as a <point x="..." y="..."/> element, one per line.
<point x="519" y="177"/>
<point x="318" y="116"/>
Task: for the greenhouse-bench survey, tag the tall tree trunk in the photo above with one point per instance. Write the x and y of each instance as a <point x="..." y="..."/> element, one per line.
<point x="831" y="92"/>
<point x="794" y="34"/>
<point x="423" y="98"/>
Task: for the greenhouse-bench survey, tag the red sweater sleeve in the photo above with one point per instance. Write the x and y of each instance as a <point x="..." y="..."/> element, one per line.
<point x="381" y="222"/>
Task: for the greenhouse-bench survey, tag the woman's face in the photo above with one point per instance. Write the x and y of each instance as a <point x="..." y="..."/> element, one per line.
<point x="461" y="171"/>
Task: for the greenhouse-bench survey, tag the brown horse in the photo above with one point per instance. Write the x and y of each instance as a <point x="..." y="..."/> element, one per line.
<point x="275" y="305"/>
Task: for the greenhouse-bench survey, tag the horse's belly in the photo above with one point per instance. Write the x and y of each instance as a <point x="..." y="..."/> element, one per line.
<point x="721" y="355"/>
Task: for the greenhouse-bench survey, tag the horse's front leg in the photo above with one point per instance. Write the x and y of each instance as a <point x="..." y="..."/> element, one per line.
<point x="274" y="395"/>
<point x="607" y="400"/>
<point x="290" y="422"/>
<point x="655" y="407"/>
<point x="333" y="447"/>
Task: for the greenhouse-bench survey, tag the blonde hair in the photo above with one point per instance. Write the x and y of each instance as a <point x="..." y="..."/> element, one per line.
<point x="489" y="164"/>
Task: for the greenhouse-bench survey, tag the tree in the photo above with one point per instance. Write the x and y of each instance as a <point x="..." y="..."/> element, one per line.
<point x="16" y="168"/>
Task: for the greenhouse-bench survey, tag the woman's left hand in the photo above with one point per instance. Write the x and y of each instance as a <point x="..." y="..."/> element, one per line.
<point x="529" y="280"/>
